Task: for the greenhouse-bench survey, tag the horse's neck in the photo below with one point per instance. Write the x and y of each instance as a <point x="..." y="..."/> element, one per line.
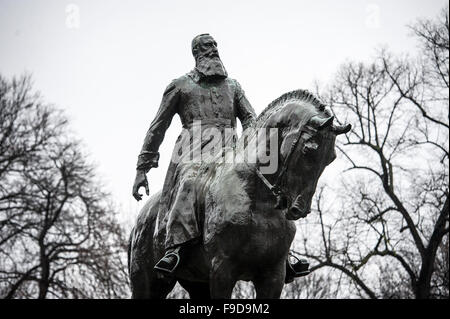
<point x="246" y="168"/>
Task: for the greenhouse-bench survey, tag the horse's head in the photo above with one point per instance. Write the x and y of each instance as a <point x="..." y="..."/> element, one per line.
<point x="307" y="137"/>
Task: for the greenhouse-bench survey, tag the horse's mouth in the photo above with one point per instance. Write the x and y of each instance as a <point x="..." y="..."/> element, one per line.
<point x="294" y="214"/>
<point x="298" y="209"/>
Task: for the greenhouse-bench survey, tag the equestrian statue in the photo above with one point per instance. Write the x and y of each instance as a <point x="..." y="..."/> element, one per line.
<point x="227" y="208"/>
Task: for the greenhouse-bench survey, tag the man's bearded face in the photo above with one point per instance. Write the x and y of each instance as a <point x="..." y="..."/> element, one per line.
<point x="207" y="58"/>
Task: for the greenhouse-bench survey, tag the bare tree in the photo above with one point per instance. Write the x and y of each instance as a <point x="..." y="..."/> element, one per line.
<point x="59" y="236"/>
<point x="317" y="285"/>
<point x="178" y="292"/>
<point x="389" y="237"/>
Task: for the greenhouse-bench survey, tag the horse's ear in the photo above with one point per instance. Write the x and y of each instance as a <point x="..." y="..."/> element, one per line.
<point x="321" y="123"/>
<point x="341" y="129"/>
<point x="327" y="123"/>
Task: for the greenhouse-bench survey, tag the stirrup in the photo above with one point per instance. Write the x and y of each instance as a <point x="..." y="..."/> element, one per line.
<point x="299" y="268"/>
<point x="162" y="264"/>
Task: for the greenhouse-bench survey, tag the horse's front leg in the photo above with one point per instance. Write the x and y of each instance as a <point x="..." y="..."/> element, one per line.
<point x="222" y="278"/>
<point x="269" y="283"/>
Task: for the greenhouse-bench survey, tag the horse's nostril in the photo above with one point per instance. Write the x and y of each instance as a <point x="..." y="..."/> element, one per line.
<point x="290" y="216"/>
<point x="295" y="213"/>
<point x="297" y="210"/>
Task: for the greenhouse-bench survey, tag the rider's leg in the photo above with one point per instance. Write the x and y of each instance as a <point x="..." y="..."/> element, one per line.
<point x="172" y="257"/>
<point x="182" y="225"/>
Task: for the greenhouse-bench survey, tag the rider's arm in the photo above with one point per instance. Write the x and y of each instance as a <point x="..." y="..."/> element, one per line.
<point x="245" y="111"/>
<point x="149" y="155"/>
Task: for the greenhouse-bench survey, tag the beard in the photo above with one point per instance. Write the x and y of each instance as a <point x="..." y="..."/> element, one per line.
<point x="211" y="66"/>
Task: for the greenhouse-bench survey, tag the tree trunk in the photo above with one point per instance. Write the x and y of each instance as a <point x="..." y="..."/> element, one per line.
<point x="45" y="269"/>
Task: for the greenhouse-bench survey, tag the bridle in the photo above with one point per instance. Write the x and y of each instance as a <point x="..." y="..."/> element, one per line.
<point x="275" y="188"/>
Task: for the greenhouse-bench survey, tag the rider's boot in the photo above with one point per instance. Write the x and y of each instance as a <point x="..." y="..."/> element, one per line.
<point x="297" y="269"/>
<point x="170" y="261"/>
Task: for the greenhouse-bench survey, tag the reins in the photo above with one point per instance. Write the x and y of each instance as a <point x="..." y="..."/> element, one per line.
<point x="275" y="188"/>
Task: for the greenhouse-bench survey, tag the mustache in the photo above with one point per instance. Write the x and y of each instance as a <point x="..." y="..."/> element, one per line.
<point x="208" y="55"/>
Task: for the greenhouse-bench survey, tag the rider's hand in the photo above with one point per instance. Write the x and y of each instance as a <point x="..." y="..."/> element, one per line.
<point x="140" y="181"/>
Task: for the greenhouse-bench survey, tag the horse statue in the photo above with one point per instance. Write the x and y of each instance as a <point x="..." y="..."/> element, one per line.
<point x="247" y="216"/>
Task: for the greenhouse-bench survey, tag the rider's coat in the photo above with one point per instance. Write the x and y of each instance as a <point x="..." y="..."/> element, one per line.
<point x="205" y="106"/>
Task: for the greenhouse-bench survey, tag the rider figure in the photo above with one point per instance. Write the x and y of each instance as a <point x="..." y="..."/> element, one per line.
<point x="208" y="98"/>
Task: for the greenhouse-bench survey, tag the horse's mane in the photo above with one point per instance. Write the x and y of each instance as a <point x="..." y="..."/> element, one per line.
<point x="296" y="95"/>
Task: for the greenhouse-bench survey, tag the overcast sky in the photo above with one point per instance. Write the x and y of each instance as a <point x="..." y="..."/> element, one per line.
<point x="107" y="62"/>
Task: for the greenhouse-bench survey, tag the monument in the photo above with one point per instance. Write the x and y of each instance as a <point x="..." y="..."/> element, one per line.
<point x="226" y="209"/>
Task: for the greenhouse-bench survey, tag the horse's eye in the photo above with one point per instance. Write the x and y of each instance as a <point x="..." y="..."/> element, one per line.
<point x="310" y="147"/>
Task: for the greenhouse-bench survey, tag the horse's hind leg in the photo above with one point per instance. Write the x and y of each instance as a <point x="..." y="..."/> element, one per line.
<point x="161" y="287"/>
<point x="145" y="284"/>
<point x="270" y="283"/>
<point x="196" y="290"/>
<point x="140" y="284"/>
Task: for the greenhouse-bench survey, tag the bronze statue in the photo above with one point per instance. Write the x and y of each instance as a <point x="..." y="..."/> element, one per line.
<point x="217" y="221"/>
<point x="206" y="96"/>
